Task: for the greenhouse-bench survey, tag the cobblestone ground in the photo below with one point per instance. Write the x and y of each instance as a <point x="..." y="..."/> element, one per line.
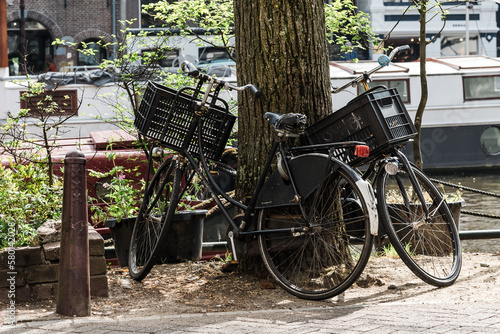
<point x="391" y="300"/>
<point x="381" y="318"/>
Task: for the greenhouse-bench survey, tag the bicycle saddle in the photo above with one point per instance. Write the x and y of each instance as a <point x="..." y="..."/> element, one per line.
<point x="289" y="124"/>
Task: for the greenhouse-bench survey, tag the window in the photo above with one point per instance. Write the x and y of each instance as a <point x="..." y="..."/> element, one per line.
<point x="400" y="85"/>
<point x="490" y="140"/>
<point x="165" y="56"/>
<point x="99" y="53"/>
<point x="38" y="42"/>
<point x="66" y="101"/>
<point x="396" y="2"/>
<point x="209" y="54"/>
<point x="147" y="21"/>
<point x="481" y="88"/>
<point x="455" y="46"/>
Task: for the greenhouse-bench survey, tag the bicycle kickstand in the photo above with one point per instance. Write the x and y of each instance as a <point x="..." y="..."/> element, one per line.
<point x="231" y="265"/>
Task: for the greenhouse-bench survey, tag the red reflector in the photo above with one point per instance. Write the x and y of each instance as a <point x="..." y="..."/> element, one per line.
<point x="362" y="151"/>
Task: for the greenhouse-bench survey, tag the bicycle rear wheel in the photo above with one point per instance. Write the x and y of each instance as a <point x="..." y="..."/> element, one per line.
<point x="331" y="255"/>
<point x="154" y="219"/>
<point x="429" y="246"/>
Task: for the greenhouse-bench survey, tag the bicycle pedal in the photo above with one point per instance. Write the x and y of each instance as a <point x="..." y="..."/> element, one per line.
<point x="229" y="266"/>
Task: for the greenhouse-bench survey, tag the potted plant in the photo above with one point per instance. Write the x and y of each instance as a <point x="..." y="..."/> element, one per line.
<point x="117" y="205"/>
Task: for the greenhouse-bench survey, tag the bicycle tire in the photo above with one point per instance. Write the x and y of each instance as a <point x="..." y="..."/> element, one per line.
<point x="154" y="219"/>
<point x="328" y="259"/>
<point x="430" y="249"/>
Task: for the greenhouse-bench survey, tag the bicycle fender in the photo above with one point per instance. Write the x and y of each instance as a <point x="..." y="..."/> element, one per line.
<point x="307" y="171"/>
<point x="371" y="201"/>
<point x="367" y="192"/>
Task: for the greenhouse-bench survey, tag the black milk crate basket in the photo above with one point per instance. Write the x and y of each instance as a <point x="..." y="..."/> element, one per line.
<point x="378" y="118"/>
<point x="166" y="114"/>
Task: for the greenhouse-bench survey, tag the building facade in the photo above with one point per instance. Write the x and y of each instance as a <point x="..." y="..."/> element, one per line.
<point x="47" y="20"/>
<point x="397" y="21"/>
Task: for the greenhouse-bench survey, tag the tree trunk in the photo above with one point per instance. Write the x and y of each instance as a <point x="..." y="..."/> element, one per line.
<point x="417" y="155"/>
<point x="280" y="47"/>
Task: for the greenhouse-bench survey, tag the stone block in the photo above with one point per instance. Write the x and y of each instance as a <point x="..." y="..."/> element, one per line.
<point x="4" y="296"/>
<point x="24" y="256"/>
<point x="96" y="243"/>
<point x="23" y="293"/>
<point x="97" y="265"/>
<point x="50" y="231"/>
<point x="43" y="291"/>
<point x="51" y="251"/>
<point x="99" y="286"/>
<point x="6" y="275"/>
<point x="42" y="274"/>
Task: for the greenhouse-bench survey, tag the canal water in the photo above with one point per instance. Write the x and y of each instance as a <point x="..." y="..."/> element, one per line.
<point x="487" y="180"/>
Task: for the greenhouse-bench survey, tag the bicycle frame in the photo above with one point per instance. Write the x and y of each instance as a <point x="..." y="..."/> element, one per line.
<point x="249" y="209"/>
<point x="309" y="175"/>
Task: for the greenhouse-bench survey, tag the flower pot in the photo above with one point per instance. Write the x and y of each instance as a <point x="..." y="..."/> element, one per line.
<point x="184" y="241"/>
<point x="121" y="232"/>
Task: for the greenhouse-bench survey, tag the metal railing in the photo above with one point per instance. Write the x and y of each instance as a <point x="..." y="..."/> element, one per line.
<point x="474" y="234"/>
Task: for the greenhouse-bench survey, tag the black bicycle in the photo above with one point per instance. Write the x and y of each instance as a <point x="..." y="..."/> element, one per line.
<point x="314" y="217"/>
<point x="414" y="214"/>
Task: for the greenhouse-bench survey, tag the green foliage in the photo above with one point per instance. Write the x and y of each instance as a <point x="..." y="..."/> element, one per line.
<point x="214" y="16"/>
<point x="390" y="252"/>
<point x="455" y="196"/>
<point x="27" y="200"/>
<point x="228" y="257"/>
<point x="344" y="23"/>
<point x="30" y="135"/>
<point x="133" y="67"/>
<point x="122" y="196"/>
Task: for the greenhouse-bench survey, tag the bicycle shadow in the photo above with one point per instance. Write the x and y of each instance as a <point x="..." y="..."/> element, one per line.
<point x="414" y="290"/>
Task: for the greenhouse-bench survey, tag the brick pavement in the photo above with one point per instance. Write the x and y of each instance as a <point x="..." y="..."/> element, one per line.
<point x="401" y="317"/>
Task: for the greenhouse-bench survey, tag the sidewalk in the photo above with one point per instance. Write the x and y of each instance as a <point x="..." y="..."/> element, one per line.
<point x="184" y="303"/>
<point x="379" y="318"/>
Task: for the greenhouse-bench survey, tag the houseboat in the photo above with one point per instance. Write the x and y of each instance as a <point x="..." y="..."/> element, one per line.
<point x="461" y="121"/>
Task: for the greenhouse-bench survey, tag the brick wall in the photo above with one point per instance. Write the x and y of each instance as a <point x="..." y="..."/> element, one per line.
<point x="37" y="270"/>
<point x="76" y="17"/>
<point x="74" y="20"/>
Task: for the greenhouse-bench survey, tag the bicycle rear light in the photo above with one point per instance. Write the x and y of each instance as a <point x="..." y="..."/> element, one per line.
<point x="362" y="151"/>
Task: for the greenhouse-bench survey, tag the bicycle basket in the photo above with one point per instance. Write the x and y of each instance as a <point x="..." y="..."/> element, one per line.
<point x="166" y="115"/>
<point x="378" y="118"/>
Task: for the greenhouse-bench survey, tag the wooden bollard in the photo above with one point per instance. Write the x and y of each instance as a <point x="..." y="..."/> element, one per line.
<point x="73" y="296"/>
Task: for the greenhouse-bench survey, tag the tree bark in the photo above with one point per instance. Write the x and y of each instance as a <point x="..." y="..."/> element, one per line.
<point x="417" y="155"/>
<point x="280" y="47"/>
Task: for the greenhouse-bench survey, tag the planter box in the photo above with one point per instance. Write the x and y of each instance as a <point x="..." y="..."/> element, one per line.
<point x="121" y="232"/>
<point x="434" y="236"/>
<point x="183" y="243"/>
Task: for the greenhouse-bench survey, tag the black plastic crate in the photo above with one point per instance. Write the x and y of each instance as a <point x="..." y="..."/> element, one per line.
<point x="378" y="118"/>
<point x="165" y="115"/>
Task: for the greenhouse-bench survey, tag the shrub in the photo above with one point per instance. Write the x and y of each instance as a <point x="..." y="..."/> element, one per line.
<point x="27" y="201"/>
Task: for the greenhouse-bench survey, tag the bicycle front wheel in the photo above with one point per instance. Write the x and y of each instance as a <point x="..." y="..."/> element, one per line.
<point x="154" y="219"/>
<point x="326" y="259"/>
<point x="428" y="245"/>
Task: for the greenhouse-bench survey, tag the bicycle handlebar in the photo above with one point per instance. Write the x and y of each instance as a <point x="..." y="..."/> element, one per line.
<point x="383" y="61"/>
<point x="192" y="71"/>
